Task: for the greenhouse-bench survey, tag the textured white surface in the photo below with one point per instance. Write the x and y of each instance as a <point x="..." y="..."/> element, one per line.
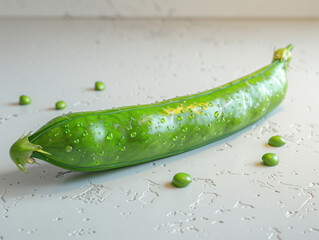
<point x="160" y="8"/>
<point x="232" y="196"/>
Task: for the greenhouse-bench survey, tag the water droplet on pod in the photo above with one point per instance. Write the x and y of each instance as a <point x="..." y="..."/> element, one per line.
<point x="109" y="136"/>
<point x="68" y="148"/>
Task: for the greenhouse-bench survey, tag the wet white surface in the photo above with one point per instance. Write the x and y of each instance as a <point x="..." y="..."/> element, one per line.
<point x="232" y="196"/>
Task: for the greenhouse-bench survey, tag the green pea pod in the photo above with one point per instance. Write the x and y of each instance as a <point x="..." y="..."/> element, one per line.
<point x="99" y="140"/>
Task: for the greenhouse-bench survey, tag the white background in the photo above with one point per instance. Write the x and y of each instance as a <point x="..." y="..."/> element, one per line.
<point x="53" y="50"/>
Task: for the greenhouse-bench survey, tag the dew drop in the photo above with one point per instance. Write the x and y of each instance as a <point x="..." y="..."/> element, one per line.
<point x="133" y="134"/>
<point x="191" y="116"/>
<point x="101" y="153"/>
<point x="109" y="136"/>
<point x="216" y="114"/>
<point x="210" y="104"/>
<point x="164" y="142"/>
<point x="68" y="148"/>
<point x="174" y="138"/>
<point x="123" y="148"/>
<point x="76" y="140"/>
<point x="179" y="118"/>
<point x="184" y="129"/>
<point x="67" y="131"/>
<point x="162" y="120"/>
<point x="149" y="122"/>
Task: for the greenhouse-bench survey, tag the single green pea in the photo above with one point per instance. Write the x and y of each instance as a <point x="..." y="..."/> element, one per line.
<point x="99" y="86"/>
<point x="276" y="141"/>
<point x="24" y="100"/>
<point x="270" y="159"/>
<point x="60" y="105"/>
<point x="181" y="180"/>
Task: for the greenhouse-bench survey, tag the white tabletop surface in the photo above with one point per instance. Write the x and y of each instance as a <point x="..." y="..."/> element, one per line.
<point x="232" y="196"/>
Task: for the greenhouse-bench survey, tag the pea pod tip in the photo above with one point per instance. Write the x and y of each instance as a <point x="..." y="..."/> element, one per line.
<point x="283" y="54"/>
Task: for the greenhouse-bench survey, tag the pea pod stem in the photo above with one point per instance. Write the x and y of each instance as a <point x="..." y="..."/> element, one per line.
<point x="21" y="152"/>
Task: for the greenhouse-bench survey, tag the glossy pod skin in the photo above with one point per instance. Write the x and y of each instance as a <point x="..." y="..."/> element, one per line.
<point x="100" y="140"/>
